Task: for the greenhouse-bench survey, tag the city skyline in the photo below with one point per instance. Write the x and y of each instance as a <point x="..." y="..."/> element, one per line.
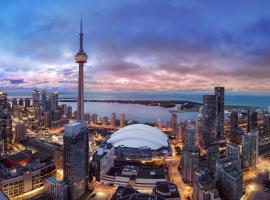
<point x="137" y="45"/>
<point x="141" y="124"/>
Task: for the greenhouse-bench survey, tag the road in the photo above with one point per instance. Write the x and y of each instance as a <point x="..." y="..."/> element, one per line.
<point x="252" y="181"/>
<point x="184" y="189"/>
<point x="102" y="192"/>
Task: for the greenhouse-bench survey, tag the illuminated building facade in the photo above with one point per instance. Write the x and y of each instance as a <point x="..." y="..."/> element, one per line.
<point x="54" y="101"/>
<point x="103" y="161"/>
<point x="24" y="172"/>
<point x="204" y="185"/>
<point x="189" y="162"/>
<point x="44" y="100"/>
<point x="212" y="157"/>
<point x="5" y="124"/>
<point x="173" y="123"/>
<point x="266" y="125"/>
<point x="20" y="132"/>
<point x="53" y="190"/>
<point x="229" y="178"/>
<point x="209" y="116"/>
<point x="190" y="136"/>
<point x="219" y="118"/>
<point x="250" y="149"/>
<point x="76" y="159"/>
<point x="232" y="150"/>
<point x="252" y="120"/>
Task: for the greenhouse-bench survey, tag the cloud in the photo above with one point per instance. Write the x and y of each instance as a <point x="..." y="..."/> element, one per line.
<point x="151" y="45"/>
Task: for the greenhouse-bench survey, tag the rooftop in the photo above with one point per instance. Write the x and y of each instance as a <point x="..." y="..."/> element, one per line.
<point x="139" y="136"/>
<point x="19" y="159"/>
<point x="143" y="172"/>
<point x="123" y="191"/>
<point x="129" y="193"/>
<point x="34" y="162"/>
<point x="150" y="173"/>
<point x="166" y="190"/>
<point x="74" y="128"/>
<point x="52" y="180"/>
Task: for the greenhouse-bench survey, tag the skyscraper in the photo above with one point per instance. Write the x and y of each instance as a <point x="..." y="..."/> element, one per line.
<point x="266" y="125"/>
<point x="122" y="119"/>
<point x="14" y="103"/>
<point x="212" y="157"/>
<point x="21" y="102"/>
<point x="54" y="101"/>
<point x="209" y="116"/>
<point x="69" y="112"/>
<point x="76" y="159"/>
<point x="204" y="185"/>
<point x="250" y="149"/>
<point x="5" y="124"/>
<point x="113" y="119"/>
<point x="252" y="120"/>
<point x="20" y="132"/>
<point x="27" y="103"/>
<point x="219" y="126"/>
<point x="173" y="123"/>
<point x="190" y="136"/>
<point x="234" y="121"/>
<point x="4" y="101"/>
<point x="189" y="162"/>
<point x="35" y="98"/>
<point x="229" y="178"/>
<point x="232" y="150"/>
<point x="1" y="129"/>
<point x="54" y="190"/>
<point x="43" y="99"/>
<point x="47" y="119"/>
<point x="81" y="58"/>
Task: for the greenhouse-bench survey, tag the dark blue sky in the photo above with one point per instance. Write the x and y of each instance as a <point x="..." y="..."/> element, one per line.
<point x="137" y="45"/>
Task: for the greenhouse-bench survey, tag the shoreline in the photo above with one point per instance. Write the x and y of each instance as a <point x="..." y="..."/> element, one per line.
<point x="187" y="106"/>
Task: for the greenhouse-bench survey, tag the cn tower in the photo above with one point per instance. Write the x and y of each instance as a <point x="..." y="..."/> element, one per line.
<point x="81" y="58"/>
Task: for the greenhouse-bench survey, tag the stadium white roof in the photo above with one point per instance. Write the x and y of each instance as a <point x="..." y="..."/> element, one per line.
<point x="138" y="136"/>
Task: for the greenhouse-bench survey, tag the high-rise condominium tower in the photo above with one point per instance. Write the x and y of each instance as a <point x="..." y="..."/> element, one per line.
<point x="219" y="93"/>
<point x="76" y="160"/>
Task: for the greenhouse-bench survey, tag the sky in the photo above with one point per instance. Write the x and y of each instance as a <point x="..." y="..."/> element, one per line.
<point x="136" y="45"/>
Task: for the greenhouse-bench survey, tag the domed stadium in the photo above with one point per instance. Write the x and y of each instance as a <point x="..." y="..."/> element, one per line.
<point x="139" y="141"/>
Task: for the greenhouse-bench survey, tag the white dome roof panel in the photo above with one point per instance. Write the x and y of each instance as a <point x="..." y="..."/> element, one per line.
<point x="138" y="136"/>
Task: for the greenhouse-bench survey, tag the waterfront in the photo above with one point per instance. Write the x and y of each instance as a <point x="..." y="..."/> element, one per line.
<point x="140" y="113"/>
<point x="235" y="99"/>
<point x="151" y="114"/>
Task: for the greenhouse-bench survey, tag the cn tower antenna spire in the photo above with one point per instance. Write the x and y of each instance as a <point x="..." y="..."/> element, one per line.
<point x="81" y="25"/>
<point x="81" y="35"/>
